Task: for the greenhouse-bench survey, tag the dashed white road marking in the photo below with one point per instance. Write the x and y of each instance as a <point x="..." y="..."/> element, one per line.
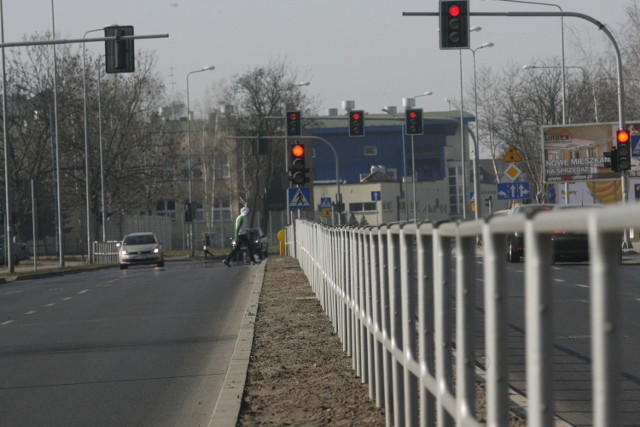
<point x="582" y="286"/>
<point x="7" y="322"/>
<point x="83" y="291"/>
<point x="51" y="304"/>
<point x="30" y="312"/>
<point x="66" y="298"/>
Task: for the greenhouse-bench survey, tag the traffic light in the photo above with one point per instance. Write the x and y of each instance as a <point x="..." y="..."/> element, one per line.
<point x="298" y="169"/>
<point x="119" y="54"/>
<point x="613" y="159"/>
<point x="293" y="123"/>
<point x="623" y="140"/>
<point x="356" y="123"/>
<point x="454" y="24"/>
<point x="413" y="121"/>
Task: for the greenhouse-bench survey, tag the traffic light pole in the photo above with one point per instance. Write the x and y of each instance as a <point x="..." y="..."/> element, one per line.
<point x="605" y="30"/>
<point x="335" y="155"/>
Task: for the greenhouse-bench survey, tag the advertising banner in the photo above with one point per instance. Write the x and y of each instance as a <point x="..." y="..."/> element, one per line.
<point x="577" y="152"/>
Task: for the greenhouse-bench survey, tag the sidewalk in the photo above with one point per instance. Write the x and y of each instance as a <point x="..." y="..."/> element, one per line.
<point x="27" y="269"/>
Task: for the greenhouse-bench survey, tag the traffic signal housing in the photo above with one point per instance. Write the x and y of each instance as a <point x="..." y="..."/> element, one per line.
<point x="356" y="123"/>
<point x="413" y="121"/>
<point x="119" y="54"/>
<point x="297" y="167"/>
<point x="613" y="159"/>
<point x="454" y="24"/>
<point x="294" y="128"/>
<point x="623" y="144"/>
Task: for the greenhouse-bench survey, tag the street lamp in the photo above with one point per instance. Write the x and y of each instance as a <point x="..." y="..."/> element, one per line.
<point x="463" y="155"/>
<point x="404" y="162"/>
<point x="410" y="103"/>
<point x="476" y="142"/>
<point x="86" y="143"/>
<point x="564" y="92"/>
<point x="191" y="246"/>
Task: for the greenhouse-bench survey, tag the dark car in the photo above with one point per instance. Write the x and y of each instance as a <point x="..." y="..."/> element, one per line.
<point x="515" y="241"/>
<point x="569" y="246"/>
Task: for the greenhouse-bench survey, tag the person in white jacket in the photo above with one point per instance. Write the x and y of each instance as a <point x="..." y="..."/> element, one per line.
<point x="241" y="238"/>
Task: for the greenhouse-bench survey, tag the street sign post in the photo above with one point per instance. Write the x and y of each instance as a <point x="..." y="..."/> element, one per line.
<point x="513" y="190"/>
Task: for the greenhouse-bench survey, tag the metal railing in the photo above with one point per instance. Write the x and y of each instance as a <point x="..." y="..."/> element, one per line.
<point x="402" y="299"/>
<point x="105" y="252"/>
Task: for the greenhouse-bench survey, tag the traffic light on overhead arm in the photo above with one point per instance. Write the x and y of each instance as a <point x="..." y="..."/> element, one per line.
<point x="356" y="123"/>
<point x="293" y="123"/>
<point x="454" y="24"/>
<point x="623" y="143"/>
<point x="297" y="167"/>
<point x="413" y="121"/>
<point x="119" y="54"/>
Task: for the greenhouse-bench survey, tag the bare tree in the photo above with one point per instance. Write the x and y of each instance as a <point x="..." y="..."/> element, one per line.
<point x="260" y="97"/>
<point x="134" y="144"/>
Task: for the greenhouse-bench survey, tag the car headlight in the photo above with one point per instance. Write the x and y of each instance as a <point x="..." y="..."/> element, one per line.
<point x="123" y="252"/>
<point x="156" y="251"/>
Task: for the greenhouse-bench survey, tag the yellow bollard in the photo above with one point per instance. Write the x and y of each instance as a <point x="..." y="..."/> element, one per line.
<point x="282" y="237"/>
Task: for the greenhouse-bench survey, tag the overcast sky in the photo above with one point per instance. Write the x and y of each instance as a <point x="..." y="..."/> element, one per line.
<point x="362" y="50"/>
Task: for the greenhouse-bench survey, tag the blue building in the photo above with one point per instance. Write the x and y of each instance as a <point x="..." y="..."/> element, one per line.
<point x="443" y="178"/>
<point x="384" y="144"/>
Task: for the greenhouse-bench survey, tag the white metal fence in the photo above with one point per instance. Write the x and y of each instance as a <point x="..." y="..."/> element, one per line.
<point x="402" y="299"/>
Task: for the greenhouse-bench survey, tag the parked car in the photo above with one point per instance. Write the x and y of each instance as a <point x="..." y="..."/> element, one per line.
<point x="140" y="248"/>
<point x="19" y="249"/>
<point x="515" y="241"/>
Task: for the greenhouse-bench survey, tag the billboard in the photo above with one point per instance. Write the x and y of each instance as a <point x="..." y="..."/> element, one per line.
<point x="576" y="152"/>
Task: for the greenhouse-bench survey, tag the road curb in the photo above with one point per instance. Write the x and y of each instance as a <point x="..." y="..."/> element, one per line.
<point x="227" y="408"/>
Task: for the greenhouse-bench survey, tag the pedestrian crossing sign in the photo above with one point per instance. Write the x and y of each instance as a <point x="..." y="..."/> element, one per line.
<point x="299" y="198"/>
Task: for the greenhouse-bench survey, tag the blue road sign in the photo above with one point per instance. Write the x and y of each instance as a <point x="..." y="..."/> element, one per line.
<point x="513" y="190"/>
<point x="325" y="202"/>
<point x="376" y="196"/>
<point x="299" y="198"/>
<point x="635" y="147"/>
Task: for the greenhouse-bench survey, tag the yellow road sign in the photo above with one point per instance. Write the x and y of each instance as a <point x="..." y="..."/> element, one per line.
<point x="512" y="155"/>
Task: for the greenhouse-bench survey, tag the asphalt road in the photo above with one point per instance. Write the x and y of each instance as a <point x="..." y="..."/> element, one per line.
<point x="145" y="346"/>
<point x="572" y="343"/>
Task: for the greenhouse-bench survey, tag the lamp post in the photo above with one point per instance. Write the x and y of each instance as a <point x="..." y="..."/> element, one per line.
<point x="7" y="173"/>
<point x="404" y="165"/>
<point x="86" y="143"/>
<point x="410" y="103"/>
<point x="476" y="144"/>
<point x="191" y="246"/>
<point x="462" y="144"/>
<point x="564" y="92"/>
<point x="102" y="198"/>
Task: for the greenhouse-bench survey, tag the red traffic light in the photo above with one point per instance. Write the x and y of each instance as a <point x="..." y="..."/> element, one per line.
<point x="454" y="10"/>
<point x="297" y="150"/>
<point x="412" y="114"/>
<point x="623" y="136"/>
<point x="356" y="116"/>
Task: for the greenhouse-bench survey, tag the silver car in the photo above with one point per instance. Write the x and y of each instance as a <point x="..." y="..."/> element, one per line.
<point x="140" y="248"/>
